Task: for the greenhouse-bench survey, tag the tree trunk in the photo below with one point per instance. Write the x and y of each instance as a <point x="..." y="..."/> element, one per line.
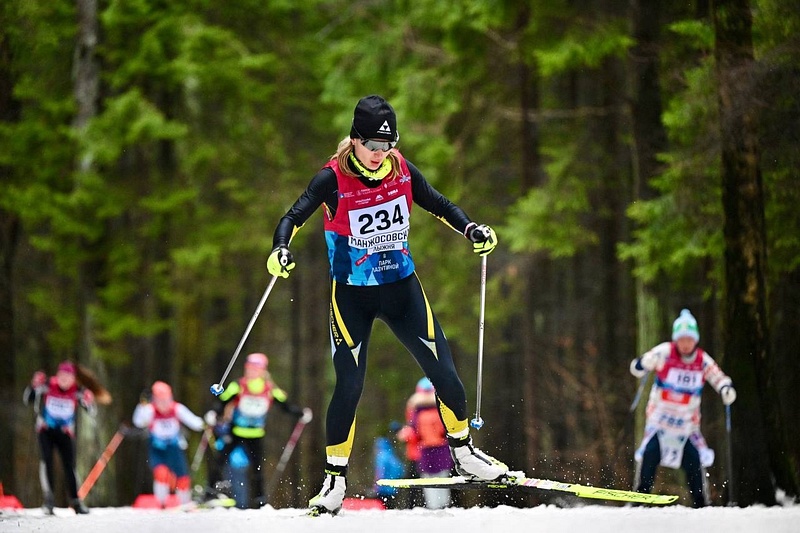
<point x="745" y="336"/>
<point x="785" y="340"/>
<point x="90" y="436"/>
<point x="649" y="139"/>
<point x="9" y="231"/>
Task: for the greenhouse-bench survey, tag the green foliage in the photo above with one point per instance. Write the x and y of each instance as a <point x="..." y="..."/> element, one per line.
<point x="681" y="228"/>
<point x="155" y="217"/>
<point x="584" y="47"/>
<point x="551" y="218"/>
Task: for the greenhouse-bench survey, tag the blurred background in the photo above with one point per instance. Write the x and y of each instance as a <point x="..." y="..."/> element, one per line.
<point x="635" y="157"/>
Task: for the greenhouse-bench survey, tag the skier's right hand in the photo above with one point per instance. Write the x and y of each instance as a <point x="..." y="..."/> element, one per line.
<point x="649" y="361"/>
<point x="145" y="396"/>
<point x="307" y="415"/>
<point x="39" y="378"/>
<point x="210" y="418"/>
<point x="280" y="262"/>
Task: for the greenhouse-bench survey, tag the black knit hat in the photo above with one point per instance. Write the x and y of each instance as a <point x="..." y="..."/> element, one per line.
<point x="374" y="118"/>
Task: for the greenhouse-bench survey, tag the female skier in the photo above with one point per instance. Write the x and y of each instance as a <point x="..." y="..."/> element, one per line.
<point x="367" y="191"/>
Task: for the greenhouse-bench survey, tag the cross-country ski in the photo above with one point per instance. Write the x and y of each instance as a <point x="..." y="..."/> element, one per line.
<point x="517" y="480"/>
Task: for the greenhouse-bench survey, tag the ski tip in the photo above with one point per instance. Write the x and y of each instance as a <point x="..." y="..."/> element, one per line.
<point x="665" y="499"/>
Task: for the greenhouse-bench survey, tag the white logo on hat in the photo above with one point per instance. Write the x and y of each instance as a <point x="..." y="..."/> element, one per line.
<point x="385" y="128"/>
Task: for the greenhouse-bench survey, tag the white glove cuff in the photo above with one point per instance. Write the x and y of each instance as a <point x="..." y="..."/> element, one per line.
<point x="636" y="371"/>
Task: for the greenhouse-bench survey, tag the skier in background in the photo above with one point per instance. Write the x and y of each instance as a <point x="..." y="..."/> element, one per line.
<point x="672" y="436"/>
<point x="56" y="400"/>
<point x="163" y="416"/>
<point x="424" y="427"/>
<point x="367" y="190"/>
<point x="387" y="466"/>
<point x="245" y="404"/>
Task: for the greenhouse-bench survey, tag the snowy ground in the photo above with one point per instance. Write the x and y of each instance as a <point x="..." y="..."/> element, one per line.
<point x="546" y="519"/>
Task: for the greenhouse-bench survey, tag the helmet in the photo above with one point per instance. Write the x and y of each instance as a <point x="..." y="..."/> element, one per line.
<point x="258" y="360"/>
<point x="161" y="391"/>
<point x="685" y="326"/>
<point x="424" y="385"/>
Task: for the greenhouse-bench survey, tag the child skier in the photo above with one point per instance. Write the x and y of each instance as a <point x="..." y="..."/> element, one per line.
<point x="56" y="400"/>
<point x="246" y="404"/>
<point x="672" y="436"/>
<point x="163" y="417"/>
<point x="424" y="426"/>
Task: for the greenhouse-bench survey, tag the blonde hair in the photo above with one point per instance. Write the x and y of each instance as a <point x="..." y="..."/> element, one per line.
<point x="344" y="150"/>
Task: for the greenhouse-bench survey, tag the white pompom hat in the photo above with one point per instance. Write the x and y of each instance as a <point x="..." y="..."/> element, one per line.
<point x="685" y="326"/>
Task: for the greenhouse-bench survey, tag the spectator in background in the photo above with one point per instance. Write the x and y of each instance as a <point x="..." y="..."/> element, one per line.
<point x="425" y="429"/>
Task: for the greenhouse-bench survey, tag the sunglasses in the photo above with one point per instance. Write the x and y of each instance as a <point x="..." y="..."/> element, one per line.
<point x="374" y="146"/>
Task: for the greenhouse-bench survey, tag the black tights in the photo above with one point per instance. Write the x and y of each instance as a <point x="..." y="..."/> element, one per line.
<point x="690" y="463"/>
<point x="51" y="439"/>
<point x="402" y="305"/>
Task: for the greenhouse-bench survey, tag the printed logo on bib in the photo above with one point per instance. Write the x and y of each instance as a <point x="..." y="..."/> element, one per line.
<point x="60" y="408"/>
<point x="253" y="406"/>
<point x="380" y="228"/>
<point x="165" y="428"/>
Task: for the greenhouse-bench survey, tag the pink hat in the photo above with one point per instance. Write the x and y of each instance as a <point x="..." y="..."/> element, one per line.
<point x="67" y="367"/>
<point x="258" y="360"/>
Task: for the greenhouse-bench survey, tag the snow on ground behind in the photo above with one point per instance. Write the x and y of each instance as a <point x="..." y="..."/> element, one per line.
<point x="545" y="518"/>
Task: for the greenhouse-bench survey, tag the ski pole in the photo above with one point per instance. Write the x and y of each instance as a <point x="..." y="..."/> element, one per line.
<point x="201" y="450"/>
<point x="477" y="422"/>
<point x="101" y="463"/>
<point x="287" y="453"/>
<point x="729" y="459"/>
<point x="638" y="396"/>
<point x="217" y="388"/>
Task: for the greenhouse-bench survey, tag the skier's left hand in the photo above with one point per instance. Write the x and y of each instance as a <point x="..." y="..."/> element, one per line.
<point x="39" y="378"/>
<point x="307" y="415"/>
<point x="87" y="398"/>
<point x="728" y="394"/>
<point x="483" y="238"/>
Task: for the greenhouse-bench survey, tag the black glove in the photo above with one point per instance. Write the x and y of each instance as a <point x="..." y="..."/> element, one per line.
<point x="146" y="396"/>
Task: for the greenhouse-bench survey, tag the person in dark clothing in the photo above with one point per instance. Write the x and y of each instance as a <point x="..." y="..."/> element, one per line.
<point x="367" y="190"/>
<point x="56" y="400"/>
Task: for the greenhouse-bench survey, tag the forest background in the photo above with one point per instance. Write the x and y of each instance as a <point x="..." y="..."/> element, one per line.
<point x="635" y="157"/>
